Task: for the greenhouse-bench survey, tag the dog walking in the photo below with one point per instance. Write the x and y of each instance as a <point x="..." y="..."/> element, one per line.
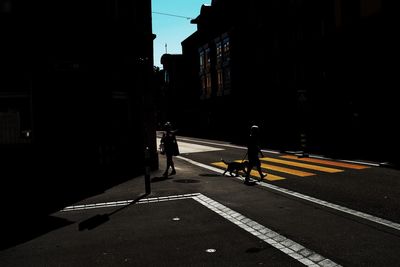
<point x="253" y="150"/>
<point x="234" y="167"/>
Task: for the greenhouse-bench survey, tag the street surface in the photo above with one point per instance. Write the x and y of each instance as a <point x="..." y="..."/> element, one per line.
<point x="309" y="211"/>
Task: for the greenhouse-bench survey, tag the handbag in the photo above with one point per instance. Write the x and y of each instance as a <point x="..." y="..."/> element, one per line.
<point x="161" y="148"/>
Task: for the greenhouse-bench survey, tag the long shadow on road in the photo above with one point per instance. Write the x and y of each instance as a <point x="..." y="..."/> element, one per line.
<point x="99" y="219"/>
<point x="29" y="196"/>
<point x="25" y="228"/>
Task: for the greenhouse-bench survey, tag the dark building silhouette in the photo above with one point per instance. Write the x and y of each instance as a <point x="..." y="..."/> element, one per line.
<point x="76" y="89"/>
<point x="172" y="87"/>
<point x="178" y="101"/>
<point x="313" y="74"/>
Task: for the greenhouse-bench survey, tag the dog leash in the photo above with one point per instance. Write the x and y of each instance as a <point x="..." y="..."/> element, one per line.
<point x="245" y="155"/>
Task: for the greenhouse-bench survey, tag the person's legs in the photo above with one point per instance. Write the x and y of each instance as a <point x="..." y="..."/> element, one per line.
<point x="258" y="164"/>
<point x="261" y="173"/>
<point x="169" y="160"/>
<point x="170" y="163"/>
<point x="249" y="168"/>
<point x="172" y="166"/>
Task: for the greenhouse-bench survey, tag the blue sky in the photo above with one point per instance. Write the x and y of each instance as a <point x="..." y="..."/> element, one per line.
<point x="173" y="30"/>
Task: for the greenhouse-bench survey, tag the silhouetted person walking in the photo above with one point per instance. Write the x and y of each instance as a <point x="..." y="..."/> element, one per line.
<point x="170" y="147"/>
<point x="253" y="150"/>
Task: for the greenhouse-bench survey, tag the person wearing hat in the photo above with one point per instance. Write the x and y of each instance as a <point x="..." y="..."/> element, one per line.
<point x="253" y="150"/>
<point x="170" y="148"/>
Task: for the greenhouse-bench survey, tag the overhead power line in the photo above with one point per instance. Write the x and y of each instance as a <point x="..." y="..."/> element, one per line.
<point x="171" y="15"/>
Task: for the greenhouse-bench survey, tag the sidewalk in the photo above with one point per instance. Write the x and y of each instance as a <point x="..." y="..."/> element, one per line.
<point x="162" y="230"/>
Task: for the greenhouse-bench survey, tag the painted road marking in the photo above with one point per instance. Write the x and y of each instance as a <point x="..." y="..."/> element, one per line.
<point x="320" y="202"/>
<point x="286" y="245"/>
<point x="269" y="177"/>
<point x="327" y="162"/>
<point x="302" y="165"/>
<point x="280" y="242"/>
<point x="276" y="152"/>
<point x="286" y="170"/>
<point x="125" y="202"/>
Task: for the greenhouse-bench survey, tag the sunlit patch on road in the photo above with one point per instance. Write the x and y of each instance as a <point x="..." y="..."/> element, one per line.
<point x="187" y="148"/>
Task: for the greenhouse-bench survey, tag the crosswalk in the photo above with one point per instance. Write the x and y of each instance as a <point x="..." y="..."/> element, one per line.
<point x="271" y="177"/>
<point x="291" y="165"/>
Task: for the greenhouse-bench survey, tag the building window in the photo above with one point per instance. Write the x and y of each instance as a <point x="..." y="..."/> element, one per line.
<point x="219" y="52"/>
<point x="227" y="81"/>
<point x="203" y="87"/>
<point x="220" y="83"/>
<point x="226" y="49"/>
<point x="208" y="58"/>
<point x="208" y="82"/>
<point x="166" y="77"/>
<point x="201" y="60"/>
<point x="369" y="8"/>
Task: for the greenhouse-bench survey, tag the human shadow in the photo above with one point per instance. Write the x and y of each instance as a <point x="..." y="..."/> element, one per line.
<point x="251" y="183"/>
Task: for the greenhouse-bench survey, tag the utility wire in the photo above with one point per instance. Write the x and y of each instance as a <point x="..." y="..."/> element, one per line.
<point x="171" y="15"/>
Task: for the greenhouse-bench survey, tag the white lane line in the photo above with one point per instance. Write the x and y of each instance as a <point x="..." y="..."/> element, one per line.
<point x="362" y="162"/>
<point x="349" y="161"/>
<point x="356" y="213"/>
<point x="286" y="245"/>
<point x="202" y="165"/>
<point x="97" y="205"/>
<point x="126" y="202"/>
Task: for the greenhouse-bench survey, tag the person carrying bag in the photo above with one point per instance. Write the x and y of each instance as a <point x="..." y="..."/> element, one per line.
<point x="169" y="147"/>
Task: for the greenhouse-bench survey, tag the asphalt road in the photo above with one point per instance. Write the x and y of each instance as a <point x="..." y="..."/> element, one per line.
<point x="201" y="218"/>
<point x="371" y="189"/>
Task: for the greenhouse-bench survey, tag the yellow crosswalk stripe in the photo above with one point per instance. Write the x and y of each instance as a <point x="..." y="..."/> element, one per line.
<point x="269" y="177"/>
<point x="302" y="165"/>
<point x="286" y="170"/>
<point x="328" y="162"/>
